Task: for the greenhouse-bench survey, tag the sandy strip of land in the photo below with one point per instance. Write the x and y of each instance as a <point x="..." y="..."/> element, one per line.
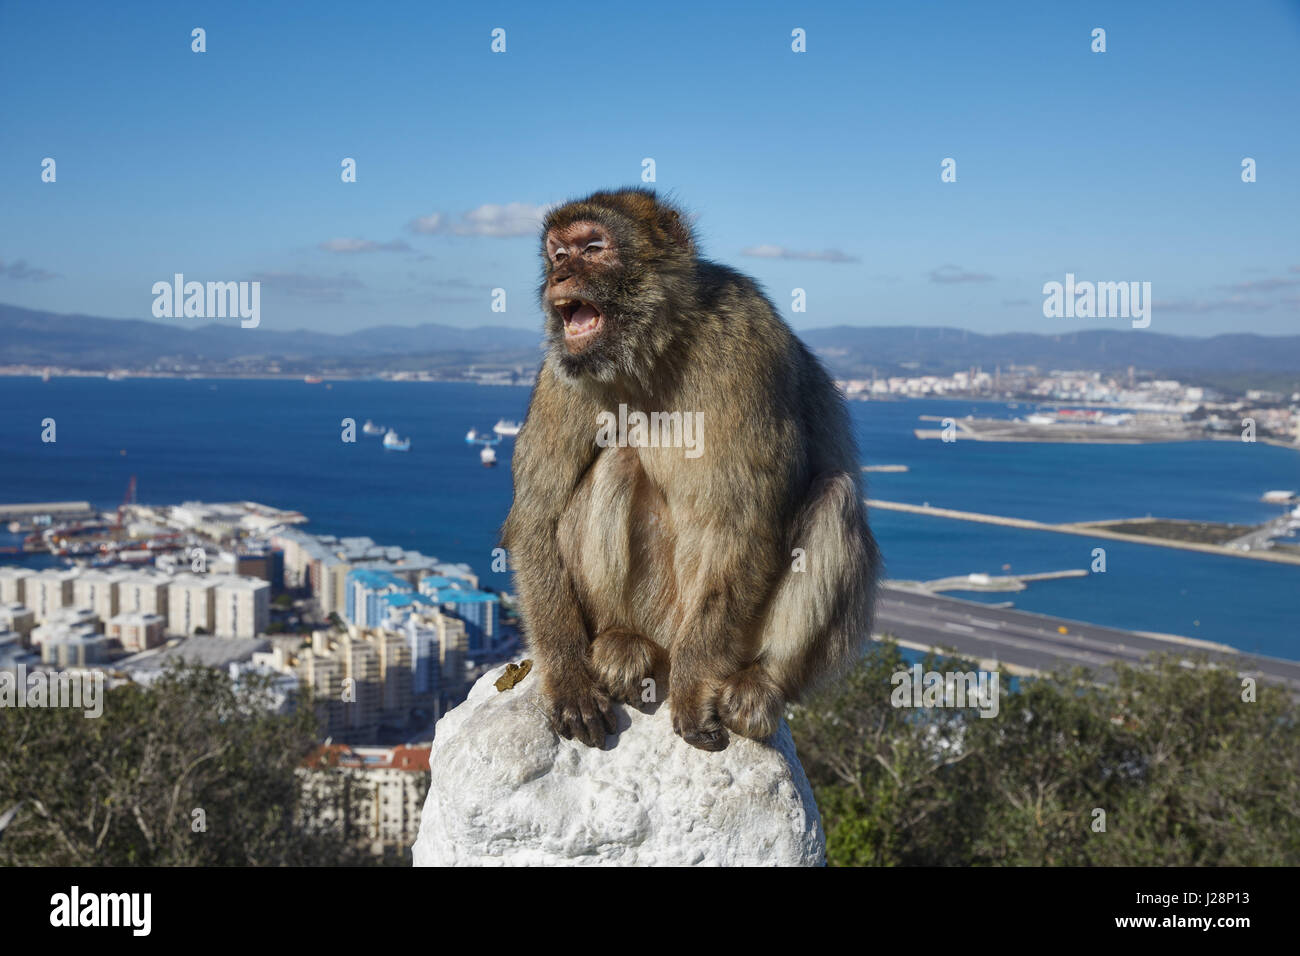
<point x="1084" y="530"/>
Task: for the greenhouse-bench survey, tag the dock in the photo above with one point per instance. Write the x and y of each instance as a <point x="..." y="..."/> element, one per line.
<point x="55" y="509"/>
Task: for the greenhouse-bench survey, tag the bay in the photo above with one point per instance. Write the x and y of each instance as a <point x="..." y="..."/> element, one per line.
<point x="279" y="442"/>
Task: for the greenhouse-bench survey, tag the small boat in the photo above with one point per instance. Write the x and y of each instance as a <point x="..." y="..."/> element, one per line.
<point x="472" y="436"/>
<point x="488" y="456"/>
<point x="370" y="428"/>
<point x="393" y="443"/>
<point x="503" y="427"/>
<point x="312" y="379"/>
<point x="45" y="376"/>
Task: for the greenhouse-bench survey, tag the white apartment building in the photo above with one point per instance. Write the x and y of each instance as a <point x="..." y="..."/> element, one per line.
<point x="143" y="591"/>
<point x="98" y="590"/>
<point x="375" y="794"/>
<point x="242" y="606"/>
<point x="66" y="623"/>
<point x="137" y="631"/>
<point x="17" y="618"/>
<point x="191" y="604"/>
<point x="49" y="591"/>
<point x="13" y="581"/>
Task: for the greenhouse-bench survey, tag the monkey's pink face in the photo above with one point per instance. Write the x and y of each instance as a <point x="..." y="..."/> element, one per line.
<point x="579" y="256"/>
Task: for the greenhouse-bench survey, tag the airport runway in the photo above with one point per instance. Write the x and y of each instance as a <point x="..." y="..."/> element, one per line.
<point x="1026" y="642"/>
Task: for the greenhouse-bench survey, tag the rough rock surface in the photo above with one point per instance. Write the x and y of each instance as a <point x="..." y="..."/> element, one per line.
<point x="507" y="790"/>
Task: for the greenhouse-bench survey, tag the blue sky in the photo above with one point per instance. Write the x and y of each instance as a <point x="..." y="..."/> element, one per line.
<point x="225" y="165"/>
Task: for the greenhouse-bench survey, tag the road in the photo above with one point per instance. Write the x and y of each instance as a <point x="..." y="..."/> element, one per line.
<point x="1026" y="642"/>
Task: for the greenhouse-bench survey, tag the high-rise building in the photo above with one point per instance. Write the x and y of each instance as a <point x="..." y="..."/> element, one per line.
<point x="13" y="582"/>
<point x="136" y="631"/>
<point x="396" y="691"/>
<point x="65" y="623"/>
<point x="98" y="590"/>
<point x="49" y="591"/>
<point x="366" y="593"/>
<point x="191" y="604"/>
<point x="344" y="676"/>
<point x="480" y="610"/>
<point x="144" y="592"/>
<point x="453" y="647"/>
<point x="242" y="606"/>
<point x="19" y="619"/>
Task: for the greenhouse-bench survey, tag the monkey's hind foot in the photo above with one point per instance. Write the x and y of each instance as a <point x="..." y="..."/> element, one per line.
<point x="695" y="717"/>
<point x="750" y="703"/>
<point x="580" y="710"/>
<point x="624" y="662"/>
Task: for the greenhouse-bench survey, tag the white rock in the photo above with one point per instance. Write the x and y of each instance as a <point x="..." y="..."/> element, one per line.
<point x="507" y="790"/>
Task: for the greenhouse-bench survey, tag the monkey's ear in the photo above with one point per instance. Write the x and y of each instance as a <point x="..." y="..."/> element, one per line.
<point x="679" y="232"/>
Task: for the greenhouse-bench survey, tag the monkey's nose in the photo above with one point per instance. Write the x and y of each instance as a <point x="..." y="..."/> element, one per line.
<point x="558" y="277"/>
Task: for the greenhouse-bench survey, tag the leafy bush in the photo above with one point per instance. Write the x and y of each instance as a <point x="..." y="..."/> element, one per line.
<point x="1185" y="770"/>
<point x="121" y="789"/>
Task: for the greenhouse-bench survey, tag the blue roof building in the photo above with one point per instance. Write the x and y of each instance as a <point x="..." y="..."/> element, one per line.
<point x="436" y="582"/>
<point x="366" y="602"/>
<point x="480" y="610"/>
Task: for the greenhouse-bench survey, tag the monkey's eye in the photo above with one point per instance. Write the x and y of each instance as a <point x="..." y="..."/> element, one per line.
<point x="596" y="244"/>
<point x="559" y="255"/>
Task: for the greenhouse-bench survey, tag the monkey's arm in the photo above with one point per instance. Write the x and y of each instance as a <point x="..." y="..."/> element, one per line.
<point x="555" y="447"/>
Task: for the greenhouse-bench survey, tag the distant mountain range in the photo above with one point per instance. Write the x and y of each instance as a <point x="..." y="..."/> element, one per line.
<point x="29" y="337"/>
<point x="940" y="348"/>
<point x="49" y="338"/>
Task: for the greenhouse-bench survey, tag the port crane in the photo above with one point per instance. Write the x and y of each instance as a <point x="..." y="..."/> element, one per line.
<point x="127" y="499"/>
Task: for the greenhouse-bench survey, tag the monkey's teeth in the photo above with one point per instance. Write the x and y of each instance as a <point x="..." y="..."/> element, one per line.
<point x="583" y="319"/>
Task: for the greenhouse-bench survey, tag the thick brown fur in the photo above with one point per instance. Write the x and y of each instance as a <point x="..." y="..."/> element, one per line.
<point x="635" y="561"/>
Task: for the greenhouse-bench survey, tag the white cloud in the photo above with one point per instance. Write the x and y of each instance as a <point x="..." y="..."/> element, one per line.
<point x="21" y="270"/>
<point x="951" y="273"/>
<point x="427" y="225"/>
<point x="781" y="252"/>
<point x="364" y="245"/>
<point x="499" y="221"/>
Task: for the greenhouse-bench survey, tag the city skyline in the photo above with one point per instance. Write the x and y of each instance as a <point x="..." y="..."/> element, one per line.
<point x="818" y="170"/>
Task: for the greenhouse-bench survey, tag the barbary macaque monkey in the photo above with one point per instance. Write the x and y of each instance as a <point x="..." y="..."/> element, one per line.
<point x="742" y="572"/>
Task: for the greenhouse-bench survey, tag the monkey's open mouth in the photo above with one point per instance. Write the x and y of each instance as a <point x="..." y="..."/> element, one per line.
<point x="582" y="321"/>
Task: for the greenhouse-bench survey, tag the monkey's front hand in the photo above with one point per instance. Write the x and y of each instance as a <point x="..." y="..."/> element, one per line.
<point x="578" y="708"/>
